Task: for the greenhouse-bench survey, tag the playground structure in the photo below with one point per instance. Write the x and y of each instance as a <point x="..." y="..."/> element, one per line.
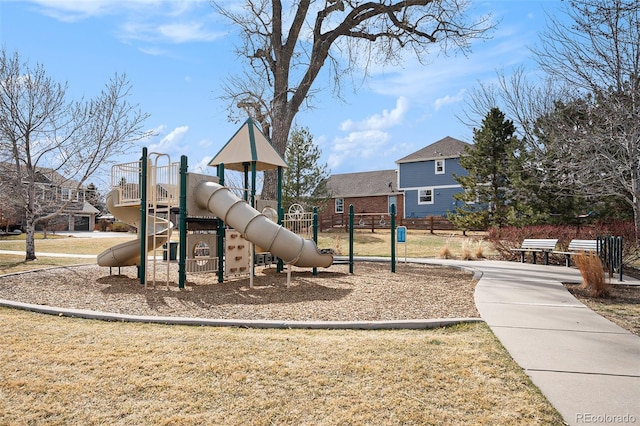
<point x="131" y="202"/>
<point x="219" y="232"/>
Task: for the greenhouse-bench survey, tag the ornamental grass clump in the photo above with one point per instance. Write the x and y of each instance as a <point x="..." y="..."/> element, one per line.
<point x="466" y="250"/>
<point x="479" y="251"/>
<point x="593" y="276"/>
<point x="445" y="252"/>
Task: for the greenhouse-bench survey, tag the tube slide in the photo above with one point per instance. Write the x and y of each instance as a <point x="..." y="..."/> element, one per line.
<point x="128" y="253"/>
<point x="258" y="229"/>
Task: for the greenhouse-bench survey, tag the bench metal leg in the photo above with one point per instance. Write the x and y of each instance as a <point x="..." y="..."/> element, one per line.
<point x="567" y="260"/>
<point x="533" y="253"/>
<point x="521" y="257"/>
<point x="546" y="257"/>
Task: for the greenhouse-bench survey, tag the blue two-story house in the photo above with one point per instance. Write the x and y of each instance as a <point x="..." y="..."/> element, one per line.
<point x="426" y="178"/>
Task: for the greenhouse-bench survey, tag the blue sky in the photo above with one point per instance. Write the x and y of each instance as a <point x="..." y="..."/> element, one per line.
<point x="177" y="54"/>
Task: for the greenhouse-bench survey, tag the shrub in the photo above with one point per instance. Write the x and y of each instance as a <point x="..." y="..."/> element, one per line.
<point x="479" y="251"/>
<point x="506" y="238"/>
<point x="593" y="277"/>
<point x="466" y="250"/>
<point x="445" y="252"/>
<point x="120" y="227"/>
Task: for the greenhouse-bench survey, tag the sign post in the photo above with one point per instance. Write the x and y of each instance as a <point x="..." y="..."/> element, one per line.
<point x="402" y="238"/>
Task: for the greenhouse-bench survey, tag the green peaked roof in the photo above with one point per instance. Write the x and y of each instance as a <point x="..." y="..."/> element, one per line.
<point x="248" y="145"/>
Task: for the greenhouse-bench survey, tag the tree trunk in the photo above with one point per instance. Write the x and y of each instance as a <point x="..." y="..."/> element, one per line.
<point x="280" y="128"/>
<point x="30" y="242"/>
<point x="636" y="220"/>
<point x="636" y="212"/>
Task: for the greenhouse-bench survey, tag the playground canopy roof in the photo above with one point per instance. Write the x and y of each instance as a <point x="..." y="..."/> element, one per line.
<point x="248" y="145"/>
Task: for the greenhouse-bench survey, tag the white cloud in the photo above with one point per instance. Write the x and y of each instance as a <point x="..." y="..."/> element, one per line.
<point x="142" y="20"/>
<point x="202" y="166"/>
<point x="357" y="146"/>
<point x="445" y="74"/>
<point x="77" y="10"/>
<point x="447" y="100"/>
<point x="186" y="32"/>
<point x="176" y="32"/>
<point x="384" y="120"/>
<point x="171" y="141"/>
<point x="368" y="139"/>
<point x="73" y="11"/>
<point x="153" y="51"/>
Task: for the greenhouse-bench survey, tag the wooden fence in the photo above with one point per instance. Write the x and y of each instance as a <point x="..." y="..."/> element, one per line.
<point x="375" y="221"/>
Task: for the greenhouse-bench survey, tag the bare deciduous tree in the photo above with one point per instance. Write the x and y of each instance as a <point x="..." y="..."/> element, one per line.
<point x="40" y="128"/>
<point x="597" y="54"/>
<point x="582" y="123"/>
<point x="288" y="44"/>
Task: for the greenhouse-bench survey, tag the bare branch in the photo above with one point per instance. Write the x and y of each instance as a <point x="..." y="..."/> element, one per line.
<point x="52" y="143"/>
<point x="287" y="44"/>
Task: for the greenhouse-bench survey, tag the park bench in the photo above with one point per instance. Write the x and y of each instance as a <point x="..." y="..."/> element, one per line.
<point x="536" y="245"/>
<point x="578" y="246"/>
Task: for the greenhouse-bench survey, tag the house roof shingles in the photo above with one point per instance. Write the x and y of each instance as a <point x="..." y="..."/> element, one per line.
<point x="446" y="147"/>
<point x="363" y="184"/>
<point x="42" y="175"/>
<point x="384" y="182"/>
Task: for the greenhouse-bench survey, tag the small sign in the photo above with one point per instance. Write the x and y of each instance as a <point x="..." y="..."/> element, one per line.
<point x="402" y="234"/>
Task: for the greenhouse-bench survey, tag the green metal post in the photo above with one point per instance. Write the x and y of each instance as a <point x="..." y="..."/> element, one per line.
<point x="393" y="238"/>
<point x="182" y="259"/>
<point x="280" y="264"/>
<point x="279" y="194"/>
<point x="221" y="232"/>
<point x="315" y="234"/>
<point x="253" y="204"/>
<point x="351" y="238"/>
<point x="246" y="181"/>
<point x="142" y="232"/>
<point x="253" y="184"/>
<point x="619" y="244"/>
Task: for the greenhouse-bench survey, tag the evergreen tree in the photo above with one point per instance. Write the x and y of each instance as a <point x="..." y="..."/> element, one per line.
<point x="93" y="197"/>
<point x="304" y="179"/>
<point x="553" y="191"/>
<point x="493" y="164"/>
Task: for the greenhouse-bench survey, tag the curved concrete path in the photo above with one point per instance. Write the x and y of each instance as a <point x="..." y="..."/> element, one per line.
<point x="586" y="366"/>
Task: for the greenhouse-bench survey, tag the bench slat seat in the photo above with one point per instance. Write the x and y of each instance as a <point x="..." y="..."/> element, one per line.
<point x="536" y="245"/>
<point x="578" y="246"/>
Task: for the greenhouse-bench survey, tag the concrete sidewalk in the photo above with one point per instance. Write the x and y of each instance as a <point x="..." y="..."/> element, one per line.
<point x="586" y="366"/>
<point x="44" y="254"/>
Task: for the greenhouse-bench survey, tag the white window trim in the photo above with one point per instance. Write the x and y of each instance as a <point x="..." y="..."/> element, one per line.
<point x="433" y="192"/>
<point x="341" y="205"/>
<point x="65" y="194"/>
<point x="436" y="162"/>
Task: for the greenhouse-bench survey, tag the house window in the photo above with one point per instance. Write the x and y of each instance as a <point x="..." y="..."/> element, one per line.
<point x="393" y="202"/>
<point x="339" y="205"/>
<point x="70" y="194"/>
<point x="425" y="196"/>
<point x="65" y="194"/>
<point x="439" y="167"/>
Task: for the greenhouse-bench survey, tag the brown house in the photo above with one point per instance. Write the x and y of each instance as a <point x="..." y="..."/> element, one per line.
<point x="52" y="191"/>
<point x="371" y="193"/>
